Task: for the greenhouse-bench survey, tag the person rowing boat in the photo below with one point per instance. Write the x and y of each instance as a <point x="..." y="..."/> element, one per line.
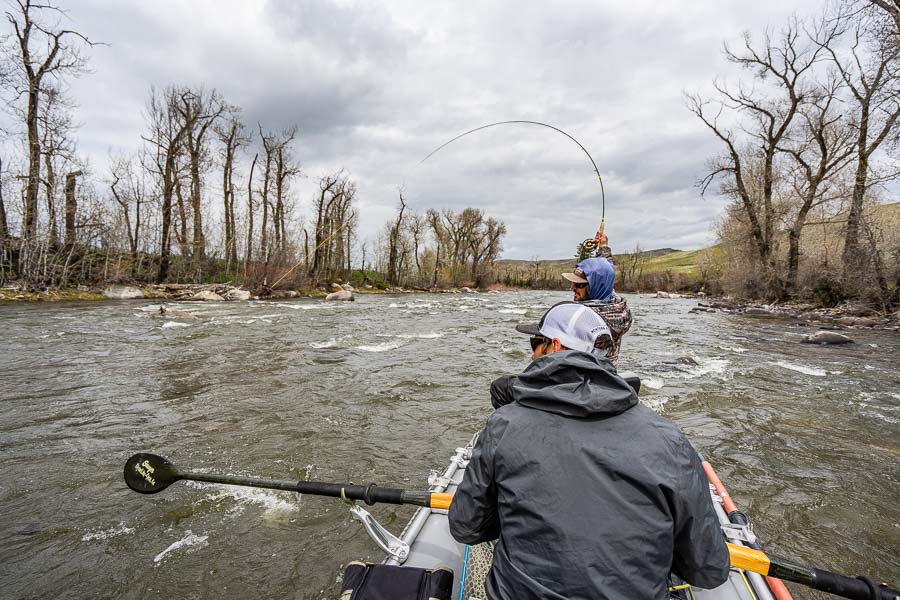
<point x="589" y="493"/>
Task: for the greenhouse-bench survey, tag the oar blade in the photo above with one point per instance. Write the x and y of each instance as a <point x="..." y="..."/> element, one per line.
<point x="147" y="473"/>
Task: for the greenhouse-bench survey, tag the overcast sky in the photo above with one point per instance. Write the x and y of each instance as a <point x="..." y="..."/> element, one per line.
<point x="374" y="87"/>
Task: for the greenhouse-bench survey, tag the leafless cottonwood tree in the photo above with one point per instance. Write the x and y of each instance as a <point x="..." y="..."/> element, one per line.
<point x="394" y="245"/>
<point x="248" y="255"/>
<point x="167" y="132"/>
<point x="871" y="72"/>
<point x="57" y="149"/>
<point x="199" y="110"/>
<point x="129" y="190"/>
<point x="232" y="135"/>
<point x="788" y="62"/>
<point x="821" y="148"/>
<point x="335" y="218"/>
<point x="44" y="52"/>
<point x="285" y="170"/>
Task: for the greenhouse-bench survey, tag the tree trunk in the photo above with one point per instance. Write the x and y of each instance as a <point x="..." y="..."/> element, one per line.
<point x="181" y="229"/>
<point x="34" y="163"/>
<point x="71" y="207"/>
<point x="4" y="227"/>
<point x="49" y="185"/>
<point x="852" y="252"/>
<point x="249" y="254"/>
<point x="199" y="241"/>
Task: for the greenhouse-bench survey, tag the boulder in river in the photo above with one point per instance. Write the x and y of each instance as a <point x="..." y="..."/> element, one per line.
<point x="237" y="294"/>
<point x="174" y="312"/>
<point x="826" y="337"/>
<point x="663" y="295"/>
<point x="123" y="292"/>
<point x="342" y="295"/>
<point x="207" y="296"/>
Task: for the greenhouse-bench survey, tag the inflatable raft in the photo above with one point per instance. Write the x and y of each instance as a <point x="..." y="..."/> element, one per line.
<point x="426" y="544"/>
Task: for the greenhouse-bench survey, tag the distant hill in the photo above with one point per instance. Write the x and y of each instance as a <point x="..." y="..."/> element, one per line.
<point x="658" y="259"/>
<point x="664" y="268"/>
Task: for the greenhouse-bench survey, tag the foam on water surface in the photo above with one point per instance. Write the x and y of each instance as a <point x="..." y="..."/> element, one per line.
<point x="105" y="534"/>
<point x="382" y="347"/>
<point x="800" y="368"/>
<point x="188" y="540"/>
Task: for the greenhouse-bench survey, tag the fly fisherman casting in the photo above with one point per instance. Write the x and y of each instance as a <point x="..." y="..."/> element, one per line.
<point x="594" y="276"/>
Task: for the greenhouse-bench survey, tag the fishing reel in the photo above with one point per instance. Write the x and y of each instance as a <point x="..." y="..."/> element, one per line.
<point x="589" y="248"/>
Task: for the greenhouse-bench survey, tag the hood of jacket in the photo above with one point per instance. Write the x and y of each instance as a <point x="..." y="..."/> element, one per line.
<point x="574" y="384"/>
<point x="601" y="276"/>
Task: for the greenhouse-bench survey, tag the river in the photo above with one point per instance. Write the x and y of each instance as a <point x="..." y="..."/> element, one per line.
<point x="806" y="438"/>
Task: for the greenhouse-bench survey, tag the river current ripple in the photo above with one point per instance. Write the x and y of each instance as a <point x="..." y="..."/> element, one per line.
<point x="806" y="438"/>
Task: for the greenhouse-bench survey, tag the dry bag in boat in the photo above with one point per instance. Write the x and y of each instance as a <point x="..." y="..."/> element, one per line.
<point x="364" y="581"/>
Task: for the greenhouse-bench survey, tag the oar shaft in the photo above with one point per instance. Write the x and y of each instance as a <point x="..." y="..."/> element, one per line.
<point x="370" y="494"/>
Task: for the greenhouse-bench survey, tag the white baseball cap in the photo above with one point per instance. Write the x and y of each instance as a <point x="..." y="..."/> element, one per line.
<point x="576" y="326"/>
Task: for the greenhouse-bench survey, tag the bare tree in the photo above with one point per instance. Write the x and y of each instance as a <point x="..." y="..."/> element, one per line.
<point x="285" y="170"/>
<point x="394" y="243"/>
<point x="166" y="134"/>
<point x="417" y="224"/>
<point x="56" y="59"/>
<point x="55" y="124"/>
<point x="128" y="188"/>
<point x="789" y="63"/>
<point x="249" y="253"/>
<point x="232" y="135"/>
<point x="821" y="148"/>
<point x="199" y="111"/>
<point x="871" y="73"/>
<point x="439" y="234"/>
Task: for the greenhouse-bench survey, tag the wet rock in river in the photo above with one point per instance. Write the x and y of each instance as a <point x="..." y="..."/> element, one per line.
<point x="826" y="337"/>
<point x="237" y="295"/>
<point x="207" y="296"/>
<point x="341" y="296"/>
<point x="687" y="360"/>
<point x="123" y="292"/>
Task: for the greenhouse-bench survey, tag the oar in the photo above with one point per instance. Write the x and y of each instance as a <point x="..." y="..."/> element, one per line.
<point x="860" y="588"/>
<point x="148" y="474"/>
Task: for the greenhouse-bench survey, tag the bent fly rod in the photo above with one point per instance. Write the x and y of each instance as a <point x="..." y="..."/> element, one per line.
<point x="557" y="129"/>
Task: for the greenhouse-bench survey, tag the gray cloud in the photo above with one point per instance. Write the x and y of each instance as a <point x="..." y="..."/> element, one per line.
<point x="374" y="87"/>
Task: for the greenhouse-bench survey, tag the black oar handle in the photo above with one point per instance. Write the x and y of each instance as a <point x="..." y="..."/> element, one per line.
<point x="861" y="588"/>
<point x="370" y="494"/>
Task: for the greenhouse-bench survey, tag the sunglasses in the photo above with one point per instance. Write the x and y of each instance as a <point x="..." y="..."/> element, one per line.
<point x="538" y="341"/>
<point x="580" y="286"/>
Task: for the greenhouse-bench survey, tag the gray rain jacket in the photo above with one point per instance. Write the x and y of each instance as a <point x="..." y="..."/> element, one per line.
<point x="591" y="494"/>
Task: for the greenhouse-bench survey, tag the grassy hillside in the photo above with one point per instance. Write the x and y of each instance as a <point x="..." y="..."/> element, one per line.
<point x="665" y="268"/>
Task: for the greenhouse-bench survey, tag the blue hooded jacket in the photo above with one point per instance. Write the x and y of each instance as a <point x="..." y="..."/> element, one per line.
<point x="601" y="276"/>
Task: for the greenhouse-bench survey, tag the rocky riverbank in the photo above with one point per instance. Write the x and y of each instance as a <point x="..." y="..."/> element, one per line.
<point x="844" y="316"/>
<point x="215" y="292"/>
